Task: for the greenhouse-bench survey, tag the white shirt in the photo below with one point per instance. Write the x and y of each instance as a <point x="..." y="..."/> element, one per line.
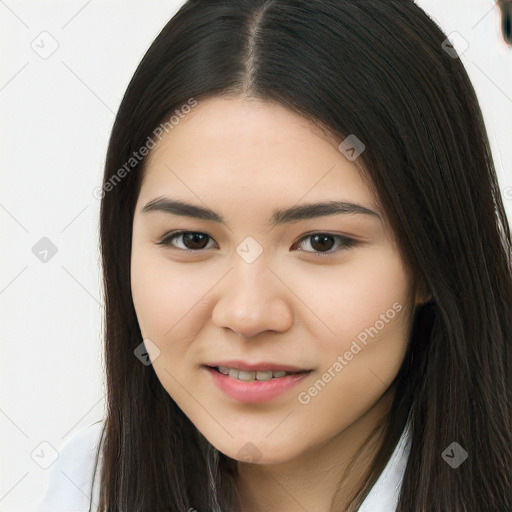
<point x="71" y="475"/>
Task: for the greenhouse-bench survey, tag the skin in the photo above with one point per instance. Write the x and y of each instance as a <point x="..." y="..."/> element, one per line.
<point x="244" y="158"/>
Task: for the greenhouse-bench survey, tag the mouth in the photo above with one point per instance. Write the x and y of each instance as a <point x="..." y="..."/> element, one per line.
<point x="255" y="375"/>
<point x="254" y="386"/>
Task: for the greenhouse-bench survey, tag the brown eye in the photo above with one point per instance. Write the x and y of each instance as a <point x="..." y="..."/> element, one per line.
<point x="322" y="243"/>
<point x="191" y="240"/>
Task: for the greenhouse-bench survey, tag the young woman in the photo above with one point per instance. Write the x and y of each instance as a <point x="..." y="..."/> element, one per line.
<point x="307" y="270"/>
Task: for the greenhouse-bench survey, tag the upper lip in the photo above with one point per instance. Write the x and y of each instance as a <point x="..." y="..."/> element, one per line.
<point x="262" y="366"/>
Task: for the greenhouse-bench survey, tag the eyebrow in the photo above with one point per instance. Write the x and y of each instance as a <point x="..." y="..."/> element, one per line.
<point x="279" y="217"/>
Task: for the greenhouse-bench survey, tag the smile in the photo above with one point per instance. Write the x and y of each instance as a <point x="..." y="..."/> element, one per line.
<point x="248" y="376"/>
<point x="246" y="386"/>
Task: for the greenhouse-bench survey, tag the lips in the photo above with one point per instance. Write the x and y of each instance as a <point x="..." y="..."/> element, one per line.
<point x="254" y="391"/>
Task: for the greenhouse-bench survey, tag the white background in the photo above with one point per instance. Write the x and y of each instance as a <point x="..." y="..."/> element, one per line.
<point x="56" y="116"/>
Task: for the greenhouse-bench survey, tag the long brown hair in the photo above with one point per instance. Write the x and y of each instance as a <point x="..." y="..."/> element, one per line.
<point x="377" y="69"/>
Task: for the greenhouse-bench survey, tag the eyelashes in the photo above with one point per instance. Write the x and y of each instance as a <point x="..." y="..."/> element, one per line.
<point x="197" y="237"/>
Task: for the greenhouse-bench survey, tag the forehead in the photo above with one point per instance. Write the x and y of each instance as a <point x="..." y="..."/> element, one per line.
<point x="244" y="119"/>
<point x="235" y="146"/>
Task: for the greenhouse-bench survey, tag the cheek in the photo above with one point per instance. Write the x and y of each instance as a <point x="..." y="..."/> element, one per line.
<point x="154" y="295"/>
<point x="168" y="299"/>
<point x="369" y="291"/>
<point x="368" y="309"/>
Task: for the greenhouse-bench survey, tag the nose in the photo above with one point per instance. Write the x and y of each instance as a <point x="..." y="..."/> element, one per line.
<point x="252" y="300"/>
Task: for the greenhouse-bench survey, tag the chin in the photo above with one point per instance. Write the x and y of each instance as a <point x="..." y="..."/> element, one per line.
<point x="254" y="453"/>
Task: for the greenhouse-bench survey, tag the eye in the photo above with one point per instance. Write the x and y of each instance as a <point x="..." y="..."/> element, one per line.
<point x="321" y="243"/>
<point x="195" y="239"/>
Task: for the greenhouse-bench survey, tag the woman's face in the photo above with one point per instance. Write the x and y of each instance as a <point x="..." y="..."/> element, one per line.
<point x="338" y="304"/>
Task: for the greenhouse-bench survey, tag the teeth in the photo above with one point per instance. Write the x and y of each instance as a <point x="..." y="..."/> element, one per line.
<point x="264" y="375"/>
<point x="248" y="376"/>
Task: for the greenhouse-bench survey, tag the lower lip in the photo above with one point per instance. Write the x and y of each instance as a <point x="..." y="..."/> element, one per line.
<point x="255" y="391"/>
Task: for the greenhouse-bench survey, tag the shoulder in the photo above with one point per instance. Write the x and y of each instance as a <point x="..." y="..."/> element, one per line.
<point x="71" y="475"/>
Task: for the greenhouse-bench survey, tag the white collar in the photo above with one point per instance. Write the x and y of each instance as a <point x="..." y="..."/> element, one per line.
<point x="383" y="496"/>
